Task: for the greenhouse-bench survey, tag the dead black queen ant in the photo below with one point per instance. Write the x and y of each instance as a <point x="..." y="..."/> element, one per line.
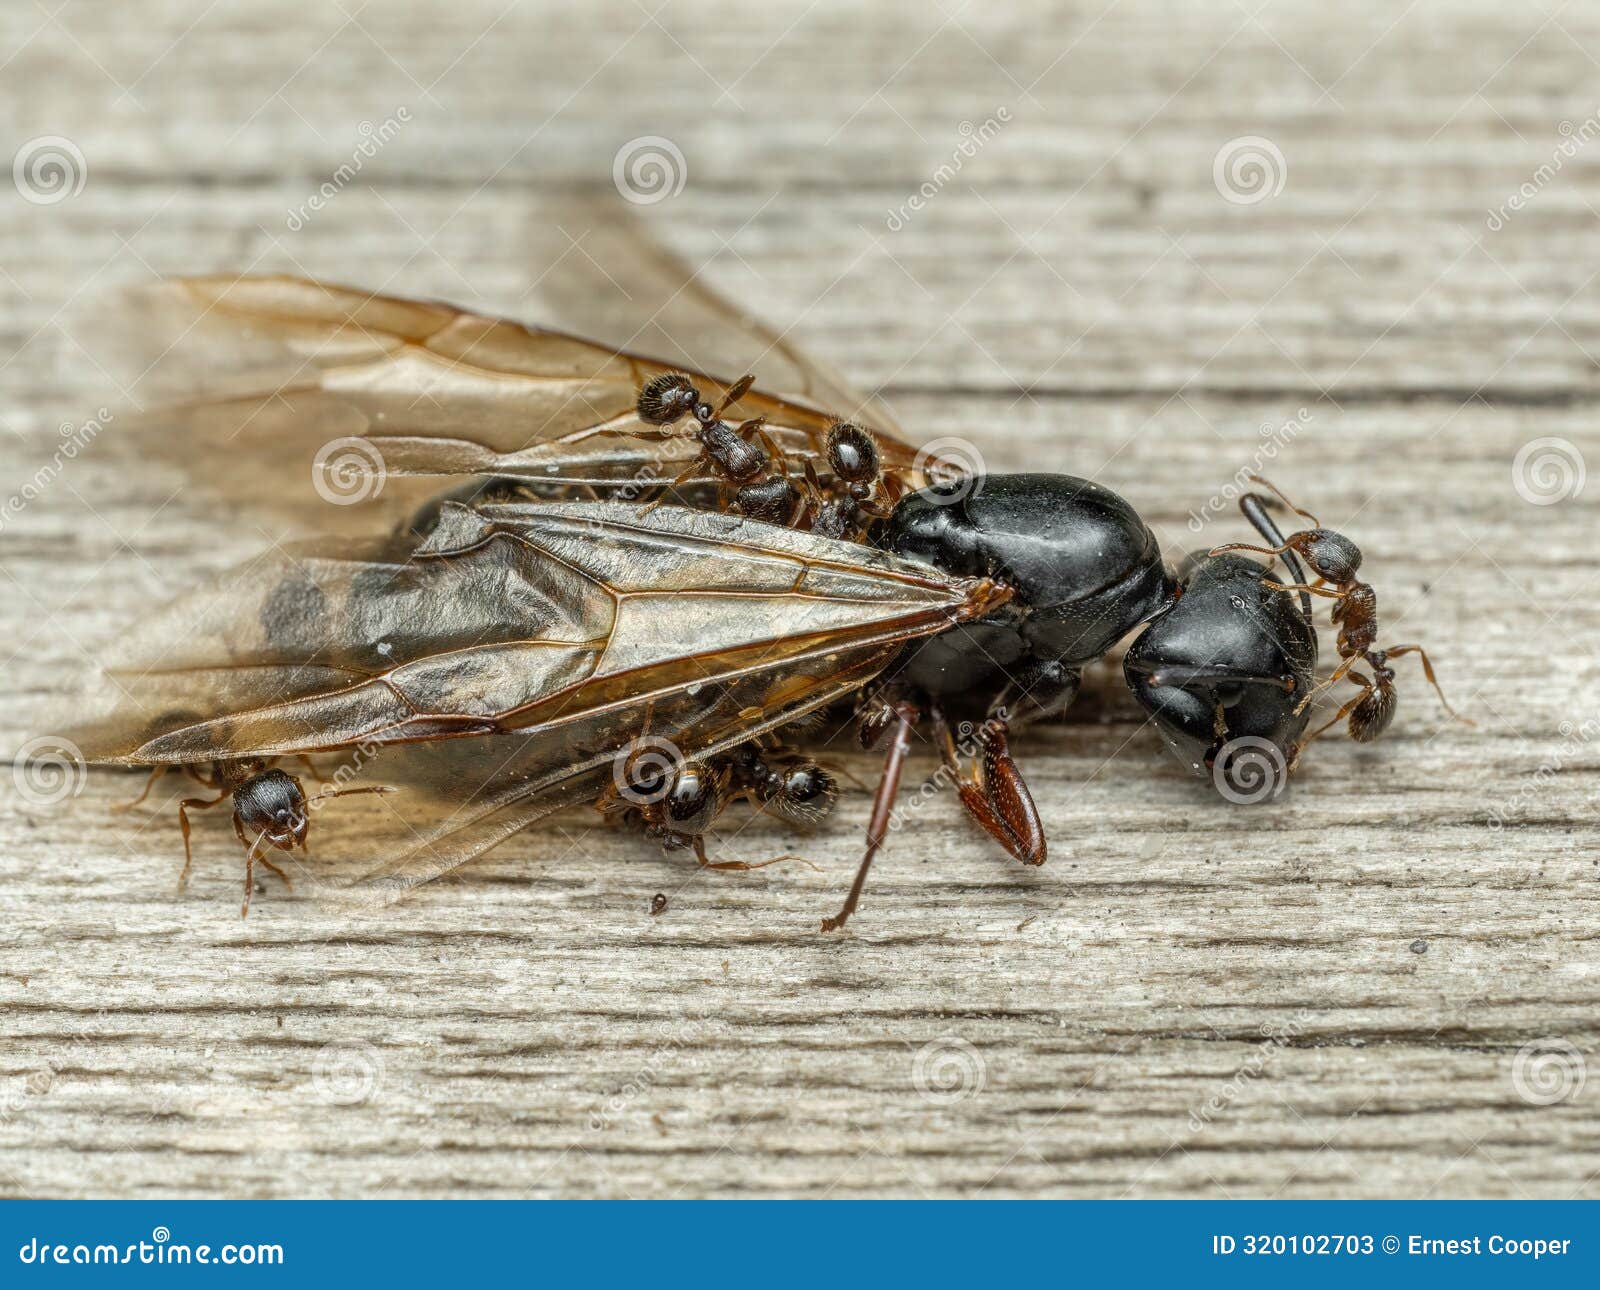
<point x="510" y="645"/>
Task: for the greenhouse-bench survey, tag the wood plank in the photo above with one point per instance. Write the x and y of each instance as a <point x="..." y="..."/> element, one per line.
<point x="1332" y="995"/>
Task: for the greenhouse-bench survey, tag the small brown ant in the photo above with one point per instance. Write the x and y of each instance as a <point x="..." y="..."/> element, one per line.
<point x="267" y="802"/>
<point x="743" y="456"/>
<point x="758" y="492"/>
<point x="1336" y="560"/>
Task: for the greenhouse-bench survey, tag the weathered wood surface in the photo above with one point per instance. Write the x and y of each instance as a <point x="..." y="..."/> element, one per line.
<point x="1331" y="995"/>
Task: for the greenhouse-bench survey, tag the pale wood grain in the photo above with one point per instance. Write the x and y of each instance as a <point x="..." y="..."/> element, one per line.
<point x="1080" y="297"/>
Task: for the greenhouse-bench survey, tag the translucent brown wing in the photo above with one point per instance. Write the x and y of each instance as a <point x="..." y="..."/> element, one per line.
<point x="533" y="617"/>
<point x="459" y="799"/>
<point x="347" y="390"/>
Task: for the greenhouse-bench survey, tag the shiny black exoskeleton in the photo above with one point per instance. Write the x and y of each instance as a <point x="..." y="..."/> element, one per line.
<point x="1085" y="570"/>
<point x="1225" y="656"/>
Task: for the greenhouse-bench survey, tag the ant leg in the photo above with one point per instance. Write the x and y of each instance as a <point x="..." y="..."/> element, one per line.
<point x="1427" y="671"/>
<point x="1367" y="687"/>
<point x="686" y="474"/>
<point x="1267" y="483"/>
<point x="156" y="772"/>
<point x="262" y="858"/>
<point x="1306" y="589"/>
<point x="249" y="869"/>
<point x="995" y="793"/>
<point x="904" y="718"/>
<point x="349" y="792"/>
<point x="1315" y="690"/>
<point x="735" y="866"/>
<point x="199" y="804"/>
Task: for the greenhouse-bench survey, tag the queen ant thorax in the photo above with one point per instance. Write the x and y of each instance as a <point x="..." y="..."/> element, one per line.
<point x="744" y="457"/>
<point x="1336" y="560"/>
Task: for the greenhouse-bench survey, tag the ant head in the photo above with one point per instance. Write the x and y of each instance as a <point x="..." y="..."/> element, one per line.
<point x="1333" y="556"/>
<point x="273" y="804"/>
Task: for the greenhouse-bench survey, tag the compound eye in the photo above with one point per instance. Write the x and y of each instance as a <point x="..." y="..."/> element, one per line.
<point x="852" y="454"/>
<point x="666" y="398"/>
<point x="694" y="800"/>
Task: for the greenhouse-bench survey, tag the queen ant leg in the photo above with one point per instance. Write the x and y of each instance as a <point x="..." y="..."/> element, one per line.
<point x="902" y="719"/>
<point x="156" y="772"/>
<point x="994" y="792"/>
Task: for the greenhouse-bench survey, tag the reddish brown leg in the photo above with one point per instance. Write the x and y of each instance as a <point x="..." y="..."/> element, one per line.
<point x="199" y="804"/>
<point x="349" y="792"/>
<point x="156" y="773"/>
<point x="1427" y="671"/>
<point x="905" y="717"/>
<point x="1366" y="688"/>
<point x="250" y="868"/>
<point x="1338" y="674"/>
<point x="995" y="794"/>
<point x="736" y="866"/>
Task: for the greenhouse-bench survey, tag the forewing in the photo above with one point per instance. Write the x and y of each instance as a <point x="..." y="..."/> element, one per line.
<point x="527" y="617"/>
<point x="453" y="802"/>
<point x="339" y="393"/>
